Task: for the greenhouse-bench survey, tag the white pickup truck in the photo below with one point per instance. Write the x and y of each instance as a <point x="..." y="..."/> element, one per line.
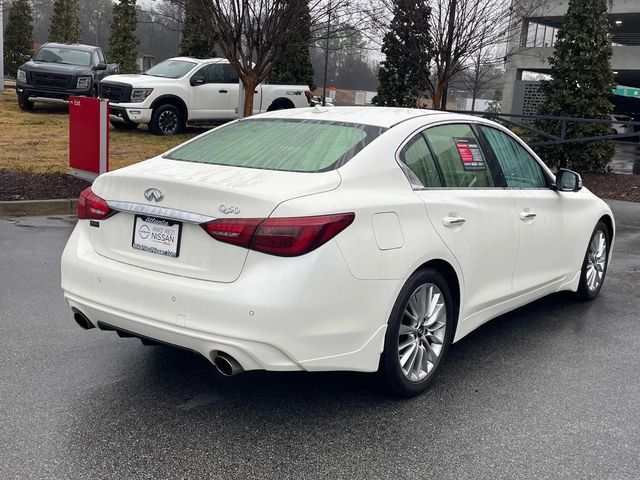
<point x="187" y="90"/>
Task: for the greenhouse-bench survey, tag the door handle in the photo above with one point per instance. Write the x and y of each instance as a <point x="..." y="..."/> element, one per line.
<point x="222" y="91"/>
<point x="527" y="215"/>
<point x="453" y="221"/>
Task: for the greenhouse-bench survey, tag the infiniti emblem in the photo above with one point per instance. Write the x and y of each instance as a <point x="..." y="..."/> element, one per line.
<point x="153" y="194"/>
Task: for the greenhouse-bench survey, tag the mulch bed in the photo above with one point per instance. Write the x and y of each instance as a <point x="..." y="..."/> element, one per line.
<point x="32" y="186"/>
<point x="28" y="186"/>
<point x="614" y="186"/>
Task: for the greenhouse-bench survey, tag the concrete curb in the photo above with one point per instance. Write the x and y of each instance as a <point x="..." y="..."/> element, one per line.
<point x="31" y="208"/>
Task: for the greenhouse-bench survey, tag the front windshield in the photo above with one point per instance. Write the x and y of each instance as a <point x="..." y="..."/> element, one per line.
<point x="171" y="69"/>
<point x="66" y="56"/>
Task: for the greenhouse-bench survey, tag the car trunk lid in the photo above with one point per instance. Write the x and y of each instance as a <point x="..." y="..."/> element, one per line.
<point x="191" y="193"/>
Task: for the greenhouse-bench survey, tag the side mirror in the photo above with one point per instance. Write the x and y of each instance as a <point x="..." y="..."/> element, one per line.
<point x="26" y="58"/>
<point x="100" y="66"/>
<point x="568" y="181"/>
<point x="195" y="81"/>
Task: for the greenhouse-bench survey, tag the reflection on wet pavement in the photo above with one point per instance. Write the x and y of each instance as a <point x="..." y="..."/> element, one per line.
<point x="627" y="158"/>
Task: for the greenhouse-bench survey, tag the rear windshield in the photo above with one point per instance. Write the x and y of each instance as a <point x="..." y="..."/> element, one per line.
<point x="280" y="144"/>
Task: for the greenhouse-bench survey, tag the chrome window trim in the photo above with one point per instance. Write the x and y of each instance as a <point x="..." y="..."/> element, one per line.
<point x="157" y="211"/>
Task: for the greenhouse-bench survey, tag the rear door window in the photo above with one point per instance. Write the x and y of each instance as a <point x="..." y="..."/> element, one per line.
<point x="460" y="157"/>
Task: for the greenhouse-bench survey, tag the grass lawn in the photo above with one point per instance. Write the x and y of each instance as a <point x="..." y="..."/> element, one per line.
<point x="38" y="141"/>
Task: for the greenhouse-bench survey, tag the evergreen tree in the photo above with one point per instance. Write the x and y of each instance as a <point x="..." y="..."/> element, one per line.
<point x="293" y="65"/>
<point x="65" y="22"/>
<point x="407" y="46"/>
<point x="580" y="86"/>
<point x="123" y="42"/>
<point x="18" y="36"/>
<point x="197" y="37"/>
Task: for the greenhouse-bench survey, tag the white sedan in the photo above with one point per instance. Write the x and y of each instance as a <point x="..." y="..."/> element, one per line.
<point x="351" y="238"/>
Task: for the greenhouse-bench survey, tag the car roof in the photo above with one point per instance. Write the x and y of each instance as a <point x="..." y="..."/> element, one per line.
<point x="75" y="46"/>
<point x="385" y="117"/>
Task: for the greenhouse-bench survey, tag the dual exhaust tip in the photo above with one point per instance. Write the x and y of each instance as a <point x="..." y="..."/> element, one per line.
<point x="225" y="364"/>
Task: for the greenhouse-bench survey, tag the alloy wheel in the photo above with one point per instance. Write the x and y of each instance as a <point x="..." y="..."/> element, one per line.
<point x="596" y="260"/>
<point x="168" y="122"/>
<point x="422" y="332"/>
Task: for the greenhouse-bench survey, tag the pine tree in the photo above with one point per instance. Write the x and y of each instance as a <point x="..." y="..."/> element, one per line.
<point x="123" y="42"/>
<point x="65" y="22"/>
<point x="580" y="86"/>
<point x="197" y="37"/>
<point x="294" y="60"/>
<point x="18" y="36"/>
<point x="407" y="46"/>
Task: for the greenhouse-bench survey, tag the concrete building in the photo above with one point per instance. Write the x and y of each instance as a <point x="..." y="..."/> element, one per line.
<point x="534" y="45"/>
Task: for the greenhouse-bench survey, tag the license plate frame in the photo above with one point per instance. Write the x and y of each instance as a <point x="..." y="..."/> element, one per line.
<point x="161" y="227"/>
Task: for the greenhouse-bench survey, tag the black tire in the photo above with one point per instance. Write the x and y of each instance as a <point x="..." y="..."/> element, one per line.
<point x="166" y="120"/>
<point x="280" y="104"/>
<point x="390" y="370"/>
<point x="124" y="125"/>
<point x="24" y="104"/>
<point x="589" y="288"/>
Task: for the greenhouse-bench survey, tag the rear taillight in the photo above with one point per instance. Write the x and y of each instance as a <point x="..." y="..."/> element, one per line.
<point x="92" y="207"/>
<point x="234" y="231"/>
<point x="284" y="237"/>
<point x="309" y="95"/>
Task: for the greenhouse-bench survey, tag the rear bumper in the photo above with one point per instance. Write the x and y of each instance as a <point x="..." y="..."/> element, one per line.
<point x="307" y="313"/>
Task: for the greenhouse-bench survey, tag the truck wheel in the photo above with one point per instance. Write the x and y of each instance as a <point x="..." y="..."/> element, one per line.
<point x="166" y="120"/>
<point x="124" y="125"/>
<point x="280" y="104"/>
<point x="24" y="104"/>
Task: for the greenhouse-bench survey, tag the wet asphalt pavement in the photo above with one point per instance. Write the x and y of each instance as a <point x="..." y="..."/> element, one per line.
<point x="549" y="391"/>
<point x="627" y="158"/>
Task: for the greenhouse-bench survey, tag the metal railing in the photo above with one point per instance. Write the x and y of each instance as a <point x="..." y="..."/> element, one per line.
<point x="505" y="118"/>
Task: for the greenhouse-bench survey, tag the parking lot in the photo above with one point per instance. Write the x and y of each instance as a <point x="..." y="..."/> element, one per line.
<point x="548" y="391"/>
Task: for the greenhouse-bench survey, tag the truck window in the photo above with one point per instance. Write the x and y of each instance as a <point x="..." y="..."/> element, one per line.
<point x="230" y="75"/>
<point x="211" y="73"/>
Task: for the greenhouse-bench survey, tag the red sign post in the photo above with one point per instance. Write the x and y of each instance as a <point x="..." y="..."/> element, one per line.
<point x="88" y="137"/>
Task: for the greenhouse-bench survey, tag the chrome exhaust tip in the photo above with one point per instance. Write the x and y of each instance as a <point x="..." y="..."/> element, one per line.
<point x="226" y="364"/>
<point x="82" y="320"/>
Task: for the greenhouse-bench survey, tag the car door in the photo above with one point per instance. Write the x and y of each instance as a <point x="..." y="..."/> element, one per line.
<point x="211" y="96"/>
<point x="468" y="208"/>
<point x="546" y="219"/>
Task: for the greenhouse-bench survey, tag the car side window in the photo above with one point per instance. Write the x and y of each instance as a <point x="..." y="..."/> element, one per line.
<point x="520" y="169"/>
<point x="101" y="57"/>
<point x="230" y="75"/>
<point x="212" y="73"/>
<point x="96" y="59"/>
<point x="418" y="164"/>
<point x="460" y="157"/>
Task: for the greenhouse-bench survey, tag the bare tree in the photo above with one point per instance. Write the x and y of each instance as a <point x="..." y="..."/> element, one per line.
<point x="481" y="73"/>
<point x="250" y="32"/>
<point x="459" y="30"/>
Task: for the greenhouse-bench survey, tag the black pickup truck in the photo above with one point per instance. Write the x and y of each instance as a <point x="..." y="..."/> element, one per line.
<point x="58" y="71"/>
